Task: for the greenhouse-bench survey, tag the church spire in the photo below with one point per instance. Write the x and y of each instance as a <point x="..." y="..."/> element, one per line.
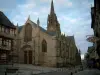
<point x="38" y="22"/>
<point x="29" y="17"/>
<point x="17" y="24"/>
<point x="52" y="22"/>
<point x="52" y="7"/>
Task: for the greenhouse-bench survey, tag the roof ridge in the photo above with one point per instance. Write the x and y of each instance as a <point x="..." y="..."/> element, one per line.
<point x="42" y="29"/>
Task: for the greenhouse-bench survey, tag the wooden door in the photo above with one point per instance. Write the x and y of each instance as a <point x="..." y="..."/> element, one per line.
<point x="25" y="57"/>
<point x="30" y="57"/>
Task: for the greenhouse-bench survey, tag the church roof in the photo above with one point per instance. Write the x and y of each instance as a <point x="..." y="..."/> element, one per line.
<point x="70" y="37"/>
<point x="20" y="28"/>
<point x="5" y="21"/>
<point x="42" y="29"/>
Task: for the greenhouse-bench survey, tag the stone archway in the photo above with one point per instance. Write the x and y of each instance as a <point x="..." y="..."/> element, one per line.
<point x="27" y="49"/>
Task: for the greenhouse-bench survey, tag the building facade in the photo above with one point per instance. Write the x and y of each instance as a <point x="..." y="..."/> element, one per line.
<point x="95" y="15"/>
<point x="92" y="52"/>
<point x="7" y="35"/>
<point x="35" y="45"/>
<point x="78" y="57"/>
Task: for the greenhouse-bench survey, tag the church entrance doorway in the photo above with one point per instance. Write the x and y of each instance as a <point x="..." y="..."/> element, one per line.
<point x="30" y="57"/>
<point x="27" y="57"/>
<point x="27" y="54"/>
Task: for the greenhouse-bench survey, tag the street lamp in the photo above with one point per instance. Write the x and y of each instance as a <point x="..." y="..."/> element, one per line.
<point x="92" y="39"/>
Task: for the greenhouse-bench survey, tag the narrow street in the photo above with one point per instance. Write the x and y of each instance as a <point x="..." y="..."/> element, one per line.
<point x="85" y="72"/>
<point x="89" y="72"/>
<point x="37" y="70"/>
<point x="31" y="69"/>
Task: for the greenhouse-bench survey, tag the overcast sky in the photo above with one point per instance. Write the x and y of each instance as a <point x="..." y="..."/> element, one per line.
<point x="73" y="15"/>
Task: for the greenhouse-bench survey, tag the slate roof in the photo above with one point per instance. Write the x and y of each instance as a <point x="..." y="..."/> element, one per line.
<point x="5" y="21"/>
<point x="70" y="37"/>
<point x="50" y="33"/>
<point x="42" y="29"/>
<point x="20" y="28"/>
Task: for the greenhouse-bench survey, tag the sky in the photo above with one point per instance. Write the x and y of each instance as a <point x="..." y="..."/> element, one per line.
<point x="73" y="15"/>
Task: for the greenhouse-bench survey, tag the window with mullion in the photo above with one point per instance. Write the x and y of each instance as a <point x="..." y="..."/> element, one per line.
<point x="44" y="46"/>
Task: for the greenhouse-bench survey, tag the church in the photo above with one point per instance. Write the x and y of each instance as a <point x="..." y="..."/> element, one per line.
<point x="46" y="47"/>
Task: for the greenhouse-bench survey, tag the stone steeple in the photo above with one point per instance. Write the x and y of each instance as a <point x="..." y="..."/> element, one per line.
<point x="52" y="22"/>
<point x="52" y="8"/>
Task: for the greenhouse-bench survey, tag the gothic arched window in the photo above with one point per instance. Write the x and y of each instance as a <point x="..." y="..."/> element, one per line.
<point x="44" y="46"/>
<point x="28" y="33"/>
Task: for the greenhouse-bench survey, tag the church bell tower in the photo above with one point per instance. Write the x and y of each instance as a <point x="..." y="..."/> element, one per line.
<point x="52" y="22"/>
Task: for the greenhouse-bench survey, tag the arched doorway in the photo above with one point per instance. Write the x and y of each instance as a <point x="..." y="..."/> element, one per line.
<point x="30" y="57"/>
<point x="25" y="57"/>
<point x="27" y="54"/>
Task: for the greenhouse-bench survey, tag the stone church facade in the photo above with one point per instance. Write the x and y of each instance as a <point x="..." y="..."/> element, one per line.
<point x="35" y="45"/>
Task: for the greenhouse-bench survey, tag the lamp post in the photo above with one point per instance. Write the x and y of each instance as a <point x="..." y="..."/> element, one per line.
<point x="93" y="39"/>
